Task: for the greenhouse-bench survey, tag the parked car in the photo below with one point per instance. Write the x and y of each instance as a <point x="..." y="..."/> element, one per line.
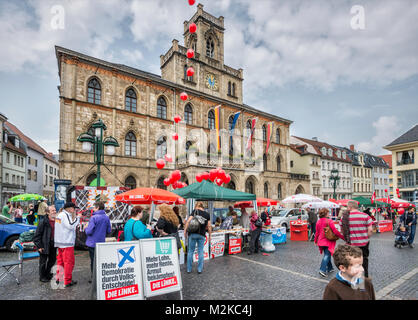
<point x="282" y="217"/>
<point x="222" y="212"/>
<point x="11" y="230"/>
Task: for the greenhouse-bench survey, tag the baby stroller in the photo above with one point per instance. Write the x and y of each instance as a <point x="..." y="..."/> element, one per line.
<point x="401" y="236"/>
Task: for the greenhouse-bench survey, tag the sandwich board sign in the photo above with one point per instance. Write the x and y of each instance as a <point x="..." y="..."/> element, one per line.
<point x="118" y="271"/>
<point x="160" y="266"/>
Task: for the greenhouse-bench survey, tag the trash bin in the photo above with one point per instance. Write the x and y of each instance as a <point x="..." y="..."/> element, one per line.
<point x="298" y="230"/>
<point x="266" y="240"/>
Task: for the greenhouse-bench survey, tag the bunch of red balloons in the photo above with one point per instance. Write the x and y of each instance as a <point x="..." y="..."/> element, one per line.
<point x="217" y="176"/>
<point x="173" y="180"/>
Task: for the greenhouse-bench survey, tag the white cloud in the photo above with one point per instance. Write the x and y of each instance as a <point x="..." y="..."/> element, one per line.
<point x="387" y="129"/>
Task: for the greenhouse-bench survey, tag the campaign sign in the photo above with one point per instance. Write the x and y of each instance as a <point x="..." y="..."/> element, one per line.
<point x="385" y="226"/>
<point x="235" y="243"/>
<point x="118" y="271"/>
<point x="279" y="235"/>
<point x="217" y="245"/>
<point x="160" y="266"/>
<point x="205" y="250"/>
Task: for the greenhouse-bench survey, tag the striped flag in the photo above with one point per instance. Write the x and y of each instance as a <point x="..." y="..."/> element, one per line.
<point x="269" y="132"/>
<point x="250" y="138"/>
<point x="217" y="126"/>
<point x="231" y="129"/>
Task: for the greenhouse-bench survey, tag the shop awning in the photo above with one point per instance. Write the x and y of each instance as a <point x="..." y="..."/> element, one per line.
<point x="208" y="191"/>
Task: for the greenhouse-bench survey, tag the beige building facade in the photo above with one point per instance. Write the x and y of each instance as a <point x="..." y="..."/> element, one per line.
<point x="138" y="109"/>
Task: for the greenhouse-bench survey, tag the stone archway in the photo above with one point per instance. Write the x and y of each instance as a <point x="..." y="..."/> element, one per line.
<point x="299" y="189"/>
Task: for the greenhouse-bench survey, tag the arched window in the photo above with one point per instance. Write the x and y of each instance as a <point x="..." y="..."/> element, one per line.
<point x="161" y="147"/>
<point x="211" y="151"/>
<point x="229" y="88"/>
<point x="188" y="114"/>
<point x="248" y="128"/>
<point x="279" y="164"/>
<point x="279" y="191"/>
<point x="130" y="144"/>
<point x="130" y="182"/>
<point x="231" y="185"/>
<point x="230" y="122"/>
<point x="233" y="89"/>
<point x="210" y="47"/>
<point x="90" y="179"/>
<point x="277" y="135"/>
<point x="94" y="91"/>
<point x="264" y="133"/>
<point x="266" y="190"/>
<point x="160" y="183"/>
<point x="161" y="108"/>
<point x="249" y="186"/>
<point x="264" y="162"/>
<point x="186" y="77"/>
<point x="211" y="119"/>
<point x="130" y="100"/>
<point x="188" y="145"/>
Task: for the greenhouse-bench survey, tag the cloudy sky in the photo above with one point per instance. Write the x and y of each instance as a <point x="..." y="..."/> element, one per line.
<point x="343" y="71"/>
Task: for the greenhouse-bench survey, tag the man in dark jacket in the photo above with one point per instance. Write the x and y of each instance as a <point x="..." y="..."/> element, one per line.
<point x="99" y="226"/>
<point x="312" y="220"/>
<point x="409" y="219"/>
<point x="44" y="241"/>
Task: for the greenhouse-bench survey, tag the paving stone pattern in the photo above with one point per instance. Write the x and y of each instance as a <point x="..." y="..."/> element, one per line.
<point x="289" y="273"/>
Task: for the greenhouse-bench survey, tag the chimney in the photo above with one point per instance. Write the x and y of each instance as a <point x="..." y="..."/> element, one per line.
<point x="352" y="147"/>
<point x="315" y="139"/>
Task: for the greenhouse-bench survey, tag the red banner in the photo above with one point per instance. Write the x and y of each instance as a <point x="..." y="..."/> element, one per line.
<point x="164" y="283"/>
<point x="235" y="245"/>
<point x="121" y="292"/>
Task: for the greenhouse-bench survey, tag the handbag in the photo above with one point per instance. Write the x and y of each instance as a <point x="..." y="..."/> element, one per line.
<point x="258" y="223"/>
<point x="329" y="234"/>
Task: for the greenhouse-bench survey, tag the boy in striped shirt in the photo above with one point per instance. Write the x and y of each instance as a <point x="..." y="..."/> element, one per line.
<point x="357" y="228"/>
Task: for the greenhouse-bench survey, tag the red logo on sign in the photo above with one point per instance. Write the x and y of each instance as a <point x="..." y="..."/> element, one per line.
<point x="121" y="292"/>
<point x="164" y="283"/>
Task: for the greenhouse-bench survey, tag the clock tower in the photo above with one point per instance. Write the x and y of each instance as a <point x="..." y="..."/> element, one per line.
<point x="211" y="75"/>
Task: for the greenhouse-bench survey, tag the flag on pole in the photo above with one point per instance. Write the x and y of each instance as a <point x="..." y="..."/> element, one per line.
<point x="373" y="199"/>
<point x="269" y="132"/>
<point x="250" y="137"/>
<point x="231" y="129"/>
<point x="217" y="126"/>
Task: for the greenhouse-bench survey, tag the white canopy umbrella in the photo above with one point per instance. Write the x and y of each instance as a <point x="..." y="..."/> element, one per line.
<point x="321" y="205"/>
<point x="301" y="198"/>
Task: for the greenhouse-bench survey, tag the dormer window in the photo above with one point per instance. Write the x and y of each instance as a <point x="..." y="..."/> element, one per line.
<point x="339" y="154"/>
<point x="16" y="143"/>
<point x="330" y="152"/>
<point x="324" y="151"/>
<point x="344" y="155"/>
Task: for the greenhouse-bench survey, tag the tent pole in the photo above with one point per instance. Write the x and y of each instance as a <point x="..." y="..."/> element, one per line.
<point x="151" y="216"/>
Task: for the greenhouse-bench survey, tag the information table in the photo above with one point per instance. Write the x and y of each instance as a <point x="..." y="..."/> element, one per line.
<point x="278" y="232"/>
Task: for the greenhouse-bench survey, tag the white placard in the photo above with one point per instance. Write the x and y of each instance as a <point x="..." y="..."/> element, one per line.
<point x="160" y="266"/>
<point x="118" y="271"/>
<point x="217" y="245"/>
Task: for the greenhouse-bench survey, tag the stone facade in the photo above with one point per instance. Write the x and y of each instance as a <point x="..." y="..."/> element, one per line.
<point x="78" y="112"/>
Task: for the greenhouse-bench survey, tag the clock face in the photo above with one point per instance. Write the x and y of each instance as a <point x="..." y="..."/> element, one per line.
<point x="211" y="82"/>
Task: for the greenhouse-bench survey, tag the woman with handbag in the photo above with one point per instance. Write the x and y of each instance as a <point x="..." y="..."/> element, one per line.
<point x="134" y="228"/>
<point x="255" y="231"/>
<point x="326" y="236"/>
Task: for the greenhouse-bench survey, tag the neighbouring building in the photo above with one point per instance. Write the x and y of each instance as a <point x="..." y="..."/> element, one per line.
<point x="362" y="173"/>
<point x="3" y="119"/>
<point x="380" y="175"/>
<point x="332" y="158"/>
<point x="51" y="173"/>
<point x="404" y="166"/>
<point x="138" y="108"/>
<point x="388" y="160"/>
<point x="14" y="166"/>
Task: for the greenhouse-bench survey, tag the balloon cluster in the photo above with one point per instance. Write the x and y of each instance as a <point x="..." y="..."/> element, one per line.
<point x="173" y="180"/>
<point x="217" y="176"/>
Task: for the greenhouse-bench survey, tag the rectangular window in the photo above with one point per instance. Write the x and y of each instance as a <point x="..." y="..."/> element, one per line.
<point x="50" y="181"/>
<point x="29" y="174"/>
<point x="405" y="157"/>
<point x="13" y="179"/>
<point x="8" y="157"/>
<point x="36" y="162"/>
<point x="46" y="168"/>
<point x="7" y="178"/>
<point x="35" y="175"/>
<point x="15" y="160"/>
<point x="51" y="170"/>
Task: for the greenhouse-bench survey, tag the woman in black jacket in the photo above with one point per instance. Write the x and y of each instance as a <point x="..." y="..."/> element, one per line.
<point x="44" y="241"/>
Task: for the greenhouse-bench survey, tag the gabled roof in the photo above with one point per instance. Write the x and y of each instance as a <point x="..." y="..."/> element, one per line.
<point x="388" y="159"/>
<point x="29" y="142"/>
<point x="409" y="136"/>
<point x="317" y="145"/>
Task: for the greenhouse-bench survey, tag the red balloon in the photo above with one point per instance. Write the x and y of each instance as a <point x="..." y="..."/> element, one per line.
<point x="160" y="163"/>
<point x="175" y="136"/>
<point x="190" y="72"/>
<point x="190" y="53"/>
<point x="176" y="175"/>
<point x="168" y="158"/>
<point x="227" y="179"/>
<point x="386" y="190"/>
<point x="213" y="174"/>
<point x="192" y="28"/>
<point x="174" y="185"/>
<point x="199" y="178"/>
<point x="167" y="182"/>
<point x="221" y="174"/>
<point x="219" y="182"/>
<point x="205" y="175"/>
<point x="192" y="2"/>
<point x="177" y="119"/>
<point x="401" y="211"/>
<point x="183" y="96"/>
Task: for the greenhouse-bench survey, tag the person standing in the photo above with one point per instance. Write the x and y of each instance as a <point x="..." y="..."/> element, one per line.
<point x="66" y="223"/>
<point x="134" y="228"/>
<point x="41" y="210"/>
<point x="44" y="241"/>
<point x="177" y="212"/>
<point x="197" y="238"/>
<point x="255" y="233"/>
<point x="98" y="227"/>
<point x="409" y="219"/>
<point x="325" y="245"/>
<point x="312" y="220"/>
<point x="18" y="214"/>
<point x="357" y="227"/>
<point x="245" y="218"/>
<point x="30" y="218"/>
<point x="7" y="210"/>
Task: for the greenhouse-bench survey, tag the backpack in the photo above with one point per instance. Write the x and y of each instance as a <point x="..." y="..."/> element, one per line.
<point x="258" y="223"/>
<point x="195" y="224"/>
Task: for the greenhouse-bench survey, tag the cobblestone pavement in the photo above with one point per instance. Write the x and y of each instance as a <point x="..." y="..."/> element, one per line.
<point x="289" y="273"/>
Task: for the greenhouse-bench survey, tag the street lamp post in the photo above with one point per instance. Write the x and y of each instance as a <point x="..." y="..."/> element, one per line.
<point x="334" y="178"/>
<point x="98" y="143"/>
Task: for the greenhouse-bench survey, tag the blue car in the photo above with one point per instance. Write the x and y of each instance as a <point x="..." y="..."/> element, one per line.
<point x="10" y="231"/>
